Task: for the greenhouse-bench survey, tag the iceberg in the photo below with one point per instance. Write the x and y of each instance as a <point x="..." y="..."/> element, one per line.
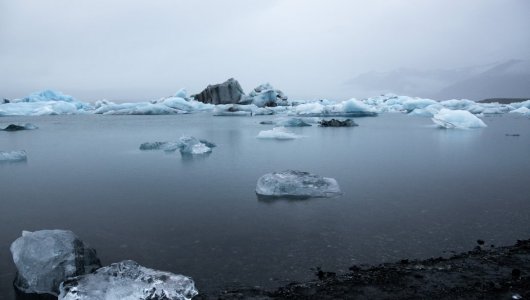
<point x="18" y="127"/>
<point x="188" y="145"/>
<point x="47" y="102"/>
<point x="447" y="118"/>
<point x="17" y="155"/>
<point x="127" y="280"/>
<point x="292" y="122"/>
<point x="265" y="95"/>
<point x="522" y="110"/>
<point x="349" y="108"/>
<point x="45" y="258"/>
<point x="296" y="184"/>
<point x="278" y="133"/>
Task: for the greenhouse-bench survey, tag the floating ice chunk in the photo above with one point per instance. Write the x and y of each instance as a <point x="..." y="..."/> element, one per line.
<point x="278" y="133"/>
<point x="522" y="110"/>
<point x="186" y="105"/>
<point x="139" y="108"/>
<point x="45" y="258"/>
<point x="191" y="145"/>
<point x="265" y="95"/>
<point x="428" y="111"/>
<point x="18" y="127"/>
<point x="296" y="184"/>
<point x="19" y="155"/>
<point x="447" y="118"/>
<point x="349" y="108"/>
<point x="417" y="103"/>
<point x="292" y="122"/>
<point x="188" y="145"/>
<point x="182" y="93"/>
<point x="127" y="280"/>
<point x="521" y="104"/>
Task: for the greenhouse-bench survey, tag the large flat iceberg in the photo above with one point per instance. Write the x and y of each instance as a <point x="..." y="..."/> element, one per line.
<point x="296" y="184"/>
<point x="447" y="118"/>
<point x="127" y="280"/>
<point x="47" y="102"/>
<point x="45" y="258"/>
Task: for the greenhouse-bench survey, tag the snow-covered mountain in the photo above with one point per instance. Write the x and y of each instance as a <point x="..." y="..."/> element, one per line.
<point x="507" y="79"/>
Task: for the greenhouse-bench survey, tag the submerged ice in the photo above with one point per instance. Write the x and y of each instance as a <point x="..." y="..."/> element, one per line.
<point x="45" y="258"/>
<point x="296" y="184"/>
<point x="127" y="280"/>
<point x="16" y="155"/>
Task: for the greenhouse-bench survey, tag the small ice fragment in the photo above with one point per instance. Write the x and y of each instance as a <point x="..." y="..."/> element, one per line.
<point x="45" y="258"/>
<point x="296" y="184"/>
<point x="18" y="155"/>
<point x="127" y="280"/>
<point x="278" y="133"/>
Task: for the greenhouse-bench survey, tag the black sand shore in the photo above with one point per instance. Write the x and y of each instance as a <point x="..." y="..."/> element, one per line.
<point x="486" y="272"/>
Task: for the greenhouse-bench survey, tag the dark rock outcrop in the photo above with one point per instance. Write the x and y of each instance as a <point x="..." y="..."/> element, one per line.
<point x="338" y="123"/>
<point x="228" y="92"/>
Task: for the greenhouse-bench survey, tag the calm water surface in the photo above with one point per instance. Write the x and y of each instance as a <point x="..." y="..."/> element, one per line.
<point x="410" y="190"/>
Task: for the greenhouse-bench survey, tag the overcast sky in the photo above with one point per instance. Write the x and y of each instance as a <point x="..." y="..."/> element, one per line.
<point x="141" y="50"/>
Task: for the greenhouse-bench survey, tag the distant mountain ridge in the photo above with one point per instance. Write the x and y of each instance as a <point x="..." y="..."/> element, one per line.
<point x="507" y="79"/>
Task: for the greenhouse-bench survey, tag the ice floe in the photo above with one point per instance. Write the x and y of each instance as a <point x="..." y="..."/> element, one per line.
<point x="45" y="258"/>
<point x="447" y="118"/>
<point x="16" y="155"/>
<point x="296" y="184"/>
<point x="277" y="133"/>
<point x="188" y="145"/>
<point x="127" y="280"/>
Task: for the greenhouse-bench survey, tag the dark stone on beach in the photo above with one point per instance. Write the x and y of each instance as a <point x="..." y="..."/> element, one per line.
<point x="5" y="101"/>
<point x="480" y="242"/>
<point x="497" y="273"/>
<point x="228" y="92"/>
<point x="266" y="123"/>
<point x="338" y="123"/>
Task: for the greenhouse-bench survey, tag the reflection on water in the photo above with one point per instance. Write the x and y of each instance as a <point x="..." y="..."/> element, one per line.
<point x="410" y="190"/>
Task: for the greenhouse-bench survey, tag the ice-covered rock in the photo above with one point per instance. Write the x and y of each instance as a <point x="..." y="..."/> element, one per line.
<point x="127" y="280"/>
<point x="447" y="118"/>
<point x="228" y="92"/>
<point x="296" y="184"/>
<point x="278" y="133"/>
<point x="17" y="155"/>
<point x="265" y="95"/>
<point x="18" y="127"/>
<point x="45" y="258"/>
<point x="338" y="123"/>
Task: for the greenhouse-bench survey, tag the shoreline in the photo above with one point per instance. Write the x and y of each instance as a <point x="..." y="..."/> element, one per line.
<point x="486" y="272"/>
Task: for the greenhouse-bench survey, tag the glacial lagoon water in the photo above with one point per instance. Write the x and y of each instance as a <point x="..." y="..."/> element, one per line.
<point x="410" y="190"/>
